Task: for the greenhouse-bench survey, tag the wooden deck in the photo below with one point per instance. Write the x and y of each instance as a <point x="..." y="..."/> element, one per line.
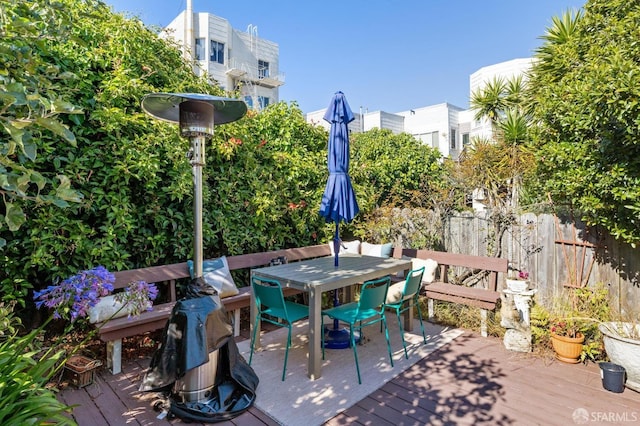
<point x="471" y="381"/>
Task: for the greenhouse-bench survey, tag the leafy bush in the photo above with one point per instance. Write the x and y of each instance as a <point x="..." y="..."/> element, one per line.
<point x="24" y="375"/>
<point x="395" y="170"/>
<point x="264" y="175"/>
<point x="583" y="93"/>
<point x="405" y="227"/>
<point x="128" y="173"/>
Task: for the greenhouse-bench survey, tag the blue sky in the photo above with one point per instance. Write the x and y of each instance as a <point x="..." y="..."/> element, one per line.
<point x="390" y="55"/>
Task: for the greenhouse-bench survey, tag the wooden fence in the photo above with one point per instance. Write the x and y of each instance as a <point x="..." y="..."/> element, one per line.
<point x="557" y="253"/>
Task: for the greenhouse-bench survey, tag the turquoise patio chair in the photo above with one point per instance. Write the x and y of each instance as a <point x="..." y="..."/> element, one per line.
<point x="273" y="307"/>
<point x="368" y="310"/>
<point x="404" y="295"/>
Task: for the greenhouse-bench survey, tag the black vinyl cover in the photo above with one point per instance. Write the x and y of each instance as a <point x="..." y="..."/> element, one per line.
<point x="199" y="325"/>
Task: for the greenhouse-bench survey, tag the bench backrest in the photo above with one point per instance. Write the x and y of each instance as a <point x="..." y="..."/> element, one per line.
<point x="445" y="260"/>
<point x="170" y="273"/>
<point x="253" y="260"/>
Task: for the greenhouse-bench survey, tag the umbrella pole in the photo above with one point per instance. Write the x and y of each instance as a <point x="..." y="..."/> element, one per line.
<point x="337" y="337"/>
<point x="336" y="247"/>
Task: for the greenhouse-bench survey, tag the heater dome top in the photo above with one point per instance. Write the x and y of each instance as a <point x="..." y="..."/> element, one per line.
<point x="166" y="106"/>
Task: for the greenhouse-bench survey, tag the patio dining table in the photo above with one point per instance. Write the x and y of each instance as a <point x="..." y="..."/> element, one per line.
<point x="318" y="275"/>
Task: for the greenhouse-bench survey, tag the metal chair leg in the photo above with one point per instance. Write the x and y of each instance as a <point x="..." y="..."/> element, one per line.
<point x="386" y="333"/>
<point x="355" y="351"/>
<point x="404" y="344"/>
<point x="424" y="336"/>
<point x="253" y="339"/>
<point x="286" y="353"/>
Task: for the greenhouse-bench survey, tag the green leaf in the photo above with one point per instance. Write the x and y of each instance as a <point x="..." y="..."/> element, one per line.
<point x="38" y="180"/>
<point x="15" y="133"/>
<point x="23" y="182"/>
<point x="58" y="128"/>
<point x="14" y="216"/>
<point x="64" y="191"/>
<point x="17" y="92"/>
<point x="66" y="107"/>
<point x="30" y="149"/>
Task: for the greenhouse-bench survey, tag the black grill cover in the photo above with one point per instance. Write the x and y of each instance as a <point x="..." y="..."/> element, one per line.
<point x="199" y="325"/>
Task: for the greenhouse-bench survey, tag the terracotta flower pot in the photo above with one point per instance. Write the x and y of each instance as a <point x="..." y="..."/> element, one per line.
<point x="567" y="349"/>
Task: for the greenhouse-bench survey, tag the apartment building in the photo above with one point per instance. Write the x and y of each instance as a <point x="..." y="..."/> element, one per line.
<point x="241" y="60"/>
<point x="236" y="60"/>
<point x="447" y="127"/>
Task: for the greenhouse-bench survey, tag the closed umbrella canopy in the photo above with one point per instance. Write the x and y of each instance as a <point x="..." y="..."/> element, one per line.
<point x="339" y="199"/>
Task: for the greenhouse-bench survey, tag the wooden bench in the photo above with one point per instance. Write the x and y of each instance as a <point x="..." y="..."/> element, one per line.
<point x="165" y="276"/>
<point x="485" y="298"/>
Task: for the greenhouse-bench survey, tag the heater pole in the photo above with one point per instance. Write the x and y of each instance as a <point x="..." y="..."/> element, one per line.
<point x="197" y="163"/>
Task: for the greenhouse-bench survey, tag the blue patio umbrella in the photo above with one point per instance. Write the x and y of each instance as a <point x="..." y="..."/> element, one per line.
<point x="339" y="199"/>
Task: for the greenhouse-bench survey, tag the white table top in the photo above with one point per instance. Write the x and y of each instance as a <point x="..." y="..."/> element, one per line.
<point x="320" y="273"/>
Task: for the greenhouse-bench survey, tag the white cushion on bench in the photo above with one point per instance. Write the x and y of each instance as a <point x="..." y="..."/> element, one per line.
<point x="395" y="292"/>
<point x="352" y="247"/>
<point x="430" y="267"/>
<point x="377" y="250"/>
<point x="107" y="308"/>
<point x="216" y="273"/>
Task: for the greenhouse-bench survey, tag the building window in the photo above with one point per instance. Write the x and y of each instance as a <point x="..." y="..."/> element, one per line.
<point x="430" y="139"/>
<point x="263" y="69"/>
<point x="452" y="139"/>
<point x="217" y="52"/>
<point x="263" y="101"/>
<point x="249" y="101"/>
<point x="465" y="139"/>
<point x="200" y="55"/>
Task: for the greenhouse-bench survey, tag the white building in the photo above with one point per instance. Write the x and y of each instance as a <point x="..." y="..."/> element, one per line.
<point x="234" y="59"/>
<point x="479" y="79"/>
<point x="443" y="126"/>
<point x="438" y="126"/>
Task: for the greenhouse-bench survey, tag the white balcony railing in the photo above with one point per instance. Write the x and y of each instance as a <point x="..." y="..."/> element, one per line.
<point x="248" y="72"/>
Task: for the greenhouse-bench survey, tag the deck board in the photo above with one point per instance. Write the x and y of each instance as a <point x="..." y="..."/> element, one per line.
<point x="470" y="381"/>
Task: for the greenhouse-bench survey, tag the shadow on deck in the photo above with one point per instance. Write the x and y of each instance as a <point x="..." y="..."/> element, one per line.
<point x="472" y="380"/>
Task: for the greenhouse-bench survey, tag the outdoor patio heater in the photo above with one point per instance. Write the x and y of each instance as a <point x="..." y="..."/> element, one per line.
<point x="196" y="115"/>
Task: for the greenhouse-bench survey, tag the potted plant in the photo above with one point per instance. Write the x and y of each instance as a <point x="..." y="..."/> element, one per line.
<point x="519" y="282"/>
<point x="622" y="344"/>
<point x="567" y="339"/>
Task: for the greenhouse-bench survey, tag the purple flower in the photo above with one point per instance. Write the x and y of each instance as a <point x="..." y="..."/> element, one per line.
<point x="72" y="298"/>
<point x="523" y="275"/>
<point x="138" y="297"/>
<point x="76" y="295"/>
